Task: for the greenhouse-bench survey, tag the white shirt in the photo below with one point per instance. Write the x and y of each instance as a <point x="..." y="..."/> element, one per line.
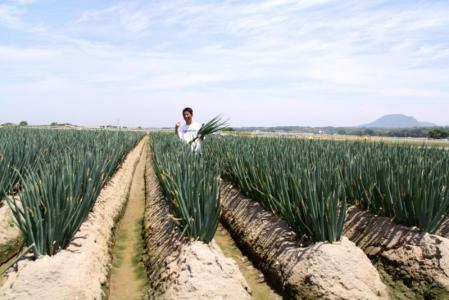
<point x="188" y="132"/>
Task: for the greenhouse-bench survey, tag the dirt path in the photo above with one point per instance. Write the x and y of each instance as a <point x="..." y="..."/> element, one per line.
<point x="128" y="276"/>
<point x="255" y="279"/>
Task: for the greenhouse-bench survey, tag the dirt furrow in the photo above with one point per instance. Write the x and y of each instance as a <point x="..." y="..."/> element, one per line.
<point x="254" y="277"/>
<point x="128" y="276"/>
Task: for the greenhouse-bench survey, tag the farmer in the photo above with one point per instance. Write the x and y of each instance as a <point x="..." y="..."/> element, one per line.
<point x="189" y="130"/>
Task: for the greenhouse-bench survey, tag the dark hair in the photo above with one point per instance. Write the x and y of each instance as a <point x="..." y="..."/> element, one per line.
<point x="188" y="109"/>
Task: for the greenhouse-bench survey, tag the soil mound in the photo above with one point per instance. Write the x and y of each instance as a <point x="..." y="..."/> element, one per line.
<point x="321" y="270"/>
<point x="420" y="259"/>
<point x="204" y="273"/>
<point x="182" y="269"/>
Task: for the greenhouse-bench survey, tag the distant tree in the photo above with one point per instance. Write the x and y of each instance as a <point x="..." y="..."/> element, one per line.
<point x="369" y="132"/>
<point x="341" y="131"/>
<point x="8" y="124"/>
<point x="53" y="124"/>
<point x="23" y="123"/>
<point x="439" y="133"/>
<point x="229" y="129"/>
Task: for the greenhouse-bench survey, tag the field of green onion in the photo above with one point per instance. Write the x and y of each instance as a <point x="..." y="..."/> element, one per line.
<point x="310" y="183"/>
<point x="57" y="174"/>
<point x="391" y="200"/>
<point x="320" y="219"/>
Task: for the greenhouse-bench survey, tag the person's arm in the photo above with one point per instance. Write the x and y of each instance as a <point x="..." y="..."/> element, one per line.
<point x="177" y="129"/>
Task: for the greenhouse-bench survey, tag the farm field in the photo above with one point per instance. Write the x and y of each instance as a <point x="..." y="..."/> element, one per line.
<point x="108" y="214"/>
<point x="345" y="137"/>
<point x="221" y="150"/>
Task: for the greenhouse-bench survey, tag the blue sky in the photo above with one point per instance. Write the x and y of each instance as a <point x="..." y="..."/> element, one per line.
<point x="264" y="63"/>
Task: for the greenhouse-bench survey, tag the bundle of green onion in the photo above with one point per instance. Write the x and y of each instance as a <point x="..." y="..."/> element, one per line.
<point x="214" y="125"/>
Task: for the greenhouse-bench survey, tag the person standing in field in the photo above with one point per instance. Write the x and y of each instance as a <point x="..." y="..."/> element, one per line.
<point x="189" y="130"/>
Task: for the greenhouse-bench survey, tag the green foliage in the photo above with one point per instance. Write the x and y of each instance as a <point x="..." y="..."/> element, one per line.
<point x="308" y="182"/>
<point x="60" y="190"/>
<point x="439" y="133"/>
<point x="404" y="182"/>
<point x="20" y="148"/>
<point x="415" y="132"/>
<point x="190" y="183"/>
<point x="304" y="188"/>
<point x="214" y="125"/>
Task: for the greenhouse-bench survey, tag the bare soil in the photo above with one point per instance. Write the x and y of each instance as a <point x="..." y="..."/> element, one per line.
<point x="11" y="240"/>
<point x="261" y="290"/>
<point x="183" y="269"/>
<point x="81" y="271"/>
<point x="128" y="276"/>
<point x="203" y="272"/>
<point x="419" y="261"/>
<point x="320" y="271"/>
<point x="163" y="239"/>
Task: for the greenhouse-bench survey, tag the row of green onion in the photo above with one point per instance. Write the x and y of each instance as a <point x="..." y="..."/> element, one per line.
<point x="189" y="183"/>
<point x="310" y="183"/>
<point x="59" y="191"/>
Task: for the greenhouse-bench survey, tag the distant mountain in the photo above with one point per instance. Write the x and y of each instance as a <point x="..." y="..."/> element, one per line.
<point x="397" y="121"/>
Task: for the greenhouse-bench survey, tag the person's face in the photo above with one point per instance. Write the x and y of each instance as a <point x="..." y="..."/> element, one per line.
<point x="187" y="117"/>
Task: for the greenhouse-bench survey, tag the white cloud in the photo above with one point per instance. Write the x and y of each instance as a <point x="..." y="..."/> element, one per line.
<point x="293" y="52"/>
<point x="10" y="16"/>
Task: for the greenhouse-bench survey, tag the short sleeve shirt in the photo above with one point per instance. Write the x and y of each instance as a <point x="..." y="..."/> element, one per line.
<point x="188" y="133"/>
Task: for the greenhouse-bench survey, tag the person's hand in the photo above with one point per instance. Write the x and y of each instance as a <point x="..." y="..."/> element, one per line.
<point x="177" y="125"/>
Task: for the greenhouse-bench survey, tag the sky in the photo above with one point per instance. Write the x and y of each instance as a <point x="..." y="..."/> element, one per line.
<point x="258" y="63"/>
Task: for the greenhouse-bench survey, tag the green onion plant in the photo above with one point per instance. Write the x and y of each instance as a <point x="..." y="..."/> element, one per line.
<point x="190" y="184"/>
<point x="309" y="183"/>
<point x="59" y="191"/>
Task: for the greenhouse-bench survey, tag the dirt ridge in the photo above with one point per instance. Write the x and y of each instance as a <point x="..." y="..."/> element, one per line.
<point x="81" y="271"/>
<point x="420" y="258"/>
<point x="183" y="269"/>
<point x="320" y="271"/>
